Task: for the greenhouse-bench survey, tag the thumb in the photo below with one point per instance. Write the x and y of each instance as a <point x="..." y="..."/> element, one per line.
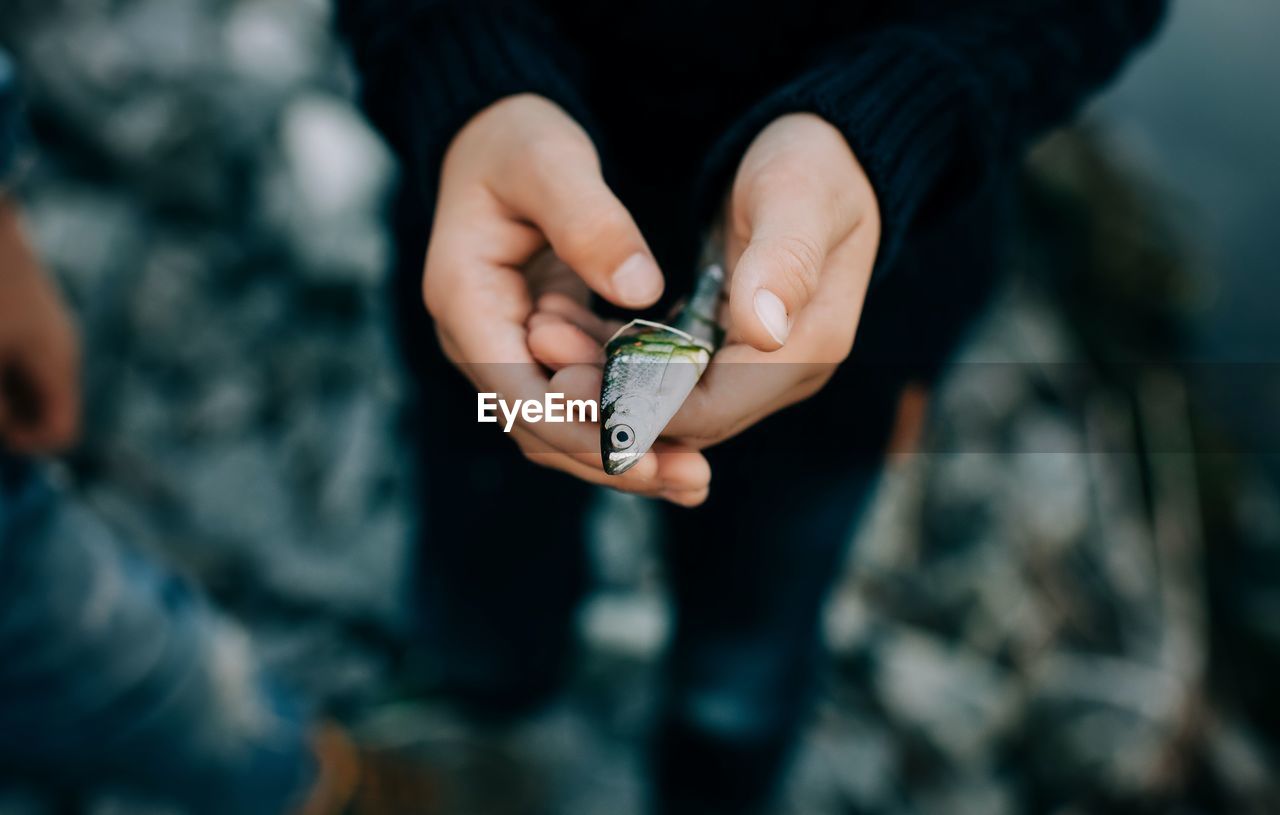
<point x="565" y="196"/>
<point x="777" y="273"/>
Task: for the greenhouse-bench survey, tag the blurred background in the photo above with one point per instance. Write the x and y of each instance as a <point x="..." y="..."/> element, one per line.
<point x="1073" y="595"/>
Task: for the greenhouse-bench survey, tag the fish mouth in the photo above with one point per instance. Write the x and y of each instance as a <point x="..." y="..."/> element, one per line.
<point x="616" y="463"/>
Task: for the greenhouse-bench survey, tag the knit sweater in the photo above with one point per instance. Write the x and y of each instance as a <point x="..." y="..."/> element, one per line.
<point x="933" y="96"/>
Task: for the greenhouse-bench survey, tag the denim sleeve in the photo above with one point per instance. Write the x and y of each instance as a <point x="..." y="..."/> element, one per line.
<point x="115" y="672"/>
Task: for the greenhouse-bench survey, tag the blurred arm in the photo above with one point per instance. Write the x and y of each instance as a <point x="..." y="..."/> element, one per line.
<point x="948" y="93"/>
<point x="39" y="350"/>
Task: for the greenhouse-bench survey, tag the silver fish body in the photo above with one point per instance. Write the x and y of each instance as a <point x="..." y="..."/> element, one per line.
<point x="650" y="370"/>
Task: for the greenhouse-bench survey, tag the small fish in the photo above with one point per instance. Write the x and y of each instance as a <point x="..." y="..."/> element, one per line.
<point x="651" y="368"/>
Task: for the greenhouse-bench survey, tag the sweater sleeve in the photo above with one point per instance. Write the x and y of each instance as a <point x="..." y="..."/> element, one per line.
<point x="428" y="66"/>
<point x="939" y="98"/>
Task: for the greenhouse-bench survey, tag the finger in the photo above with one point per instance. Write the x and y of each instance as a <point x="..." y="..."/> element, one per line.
<point x="41" y="398"/>
<point x="576" y="440"/>
<point x="738" y="389"/>
<point x="686" y="498"/>
<point x="558" y="344"/>
<point x="684" y="473"/>
<point x="690" y="497"/>
<point x="542" y="318"/>
<point x="477" y="293"/>
<point x="547" y="274"/>
<point x="683" y="469"/>
<point x="481" y="308"/>
<point x="574" y="447"/>
<point x="791" y="228"/>
<point x="578" y="314"/>
<point x="667" y="467"/>
<point x="732" y="391"/>
<point x="582" y="439"/>
<point x="500" y="363"/>
<point x="560" y="189"/>
<point x="743" y="385"/>
<point x="683" y="477"/>
<point x="643" y="478"/>
<point x="54" y="369"/>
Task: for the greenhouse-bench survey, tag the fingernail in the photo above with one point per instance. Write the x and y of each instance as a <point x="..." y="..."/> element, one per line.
<point x="638" y="279"/>
<point x="773" y="314"/>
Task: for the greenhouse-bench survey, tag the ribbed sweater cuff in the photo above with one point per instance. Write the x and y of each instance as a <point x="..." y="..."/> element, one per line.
<point x="901" y="107"/>
<point x="447" y="63"/>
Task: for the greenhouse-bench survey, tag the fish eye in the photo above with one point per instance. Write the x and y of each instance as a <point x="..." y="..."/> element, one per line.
<point x="622" y="437"/>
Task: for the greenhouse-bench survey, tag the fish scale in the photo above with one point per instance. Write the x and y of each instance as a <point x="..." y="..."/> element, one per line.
<point x="650" y="370"/>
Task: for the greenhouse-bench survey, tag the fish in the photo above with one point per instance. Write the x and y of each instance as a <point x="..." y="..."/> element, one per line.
<point x="651" y="368"/>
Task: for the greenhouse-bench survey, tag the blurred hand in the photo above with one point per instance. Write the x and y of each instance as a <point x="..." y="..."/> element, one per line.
<point x="520" y="178"/>
<point x="802" y="231"/>
<point x="39" y="350"/>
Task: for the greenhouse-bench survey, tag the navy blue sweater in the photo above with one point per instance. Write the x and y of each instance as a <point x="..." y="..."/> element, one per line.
<point x="932" y="96"/>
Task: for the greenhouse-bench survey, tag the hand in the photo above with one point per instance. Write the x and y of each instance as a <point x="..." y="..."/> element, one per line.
<point x="39" y="352"/>
<point x="802" y="230"/>
<point x="520" y="178"/>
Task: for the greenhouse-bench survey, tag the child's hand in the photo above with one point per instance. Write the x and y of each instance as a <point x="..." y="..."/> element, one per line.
<point x="522" y="176"/>
<point x="803" y="227"/>
<point x="39" y="351"/>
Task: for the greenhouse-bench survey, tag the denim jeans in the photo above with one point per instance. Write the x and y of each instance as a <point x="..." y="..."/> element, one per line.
<point x="115" y="673"/>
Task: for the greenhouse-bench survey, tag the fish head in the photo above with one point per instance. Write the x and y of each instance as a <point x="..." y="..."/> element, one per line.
<point x="650" y="369"/>
<point x="631" y="425"/>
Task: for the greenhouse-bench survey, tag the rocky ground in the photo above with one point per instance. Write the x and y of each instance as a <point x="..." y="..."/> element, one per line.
<point x="1030" y="618"/>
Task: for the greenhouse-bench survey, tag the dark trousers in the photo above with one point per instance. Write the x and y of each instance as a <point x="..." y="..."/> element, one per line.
<point x="502" y="567"/>
<point x="502" y="564"/>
